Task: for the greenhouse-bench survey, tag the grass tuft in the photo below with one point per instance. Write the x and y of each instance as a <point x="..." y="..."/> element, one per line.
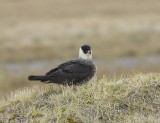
<point x="131" y="99"/>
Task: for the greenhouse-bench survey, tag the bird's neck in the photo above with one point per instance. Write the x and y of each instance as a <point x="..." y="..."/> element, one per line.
<point x="82" y="60"/>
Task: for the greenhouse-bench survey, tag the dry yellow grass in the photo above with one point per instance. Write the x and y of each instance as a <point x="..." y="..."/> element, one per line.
<point x="131" y="99"/>
<point x="40" y="30"/>
<point x="38" y="9"/>
<point x="116" y="45"/>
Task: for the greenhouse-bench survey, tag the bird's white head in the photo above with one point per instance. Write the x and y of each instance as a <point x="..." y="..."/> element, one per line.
<point x="85" y="52"/>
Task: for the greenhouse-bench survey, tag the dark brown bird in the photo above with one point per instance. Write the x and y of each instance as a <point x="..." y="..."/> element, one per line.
<point x="73" y="72"/>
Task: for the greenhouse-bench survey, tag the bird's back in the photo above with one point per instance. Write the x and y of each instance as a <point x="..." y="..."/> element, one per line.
<point x="73" y="72"/>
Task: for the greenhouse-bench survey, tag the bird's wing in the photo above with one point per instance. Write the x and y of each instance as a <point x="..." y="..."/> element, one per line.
<point x="52" y="71"/>
<point x="71" y="71"/>
<point x="73" y="66"/>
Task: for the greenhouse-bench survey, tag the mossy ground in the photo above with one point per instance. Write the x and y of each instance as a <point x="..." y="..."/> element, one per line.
<point x="127" y="99"/>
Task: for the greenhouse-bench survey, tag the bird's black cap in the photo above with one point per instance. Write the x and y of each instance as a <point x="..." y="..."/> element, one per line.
<point x="86" y="48"/>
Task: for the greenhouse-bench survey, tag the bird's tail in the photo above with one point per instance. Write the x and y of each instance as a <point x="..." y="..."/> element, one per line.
<point x="41" y="78"/>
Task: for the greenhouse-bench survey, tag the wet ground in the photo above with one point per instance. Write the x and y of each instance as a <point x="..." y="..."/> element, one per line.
<point x="113" y="66"/>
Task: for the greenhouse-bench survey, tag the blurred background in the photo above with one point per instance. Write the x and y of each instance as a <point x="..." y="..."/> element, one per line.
<point x="37" y="35"/>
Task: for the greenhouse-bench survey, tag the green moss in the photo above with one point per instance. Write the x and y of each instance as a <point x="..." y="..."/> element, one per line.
<point x="2" y="110"/>
<point x="35" y="113"/>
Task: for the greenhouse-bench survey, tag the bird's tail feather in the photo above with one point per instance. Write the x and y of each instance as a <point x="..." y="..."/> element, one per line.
<point x="41" y="78"/>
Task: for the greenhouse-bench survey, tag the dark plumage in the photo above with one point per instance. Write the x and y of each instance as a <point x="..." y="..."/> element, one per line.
<point x="74" y="72"/>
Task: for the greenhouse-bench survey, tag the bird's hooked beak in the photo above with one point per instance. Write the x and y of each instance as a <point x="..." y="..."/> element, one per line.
<point x="89" y="52"/>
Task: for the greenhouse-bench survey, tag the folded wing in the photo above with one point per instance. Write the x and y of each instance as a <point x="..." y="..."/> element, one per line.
<point x="71" y="71"/>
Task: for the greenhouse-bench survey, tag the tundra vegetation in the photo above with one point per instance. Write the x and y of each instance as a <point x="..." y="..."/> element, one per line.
<point x="124" y="99"/>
